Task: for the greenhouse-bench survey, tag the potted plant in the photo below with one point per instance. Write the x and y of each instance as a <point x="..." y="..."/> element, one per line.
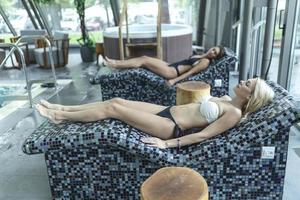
<point x="87" y="45"/>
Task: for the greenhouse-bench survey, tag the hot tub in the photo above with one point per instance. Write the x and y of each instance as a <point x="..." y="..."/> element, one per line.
<point x="176" y="40"/>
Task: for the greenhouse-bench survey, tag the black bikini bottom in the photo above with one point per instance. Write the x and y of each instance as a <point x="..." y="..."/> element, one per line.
<point x="177" y="132"/>
<point x="189" y="61"/>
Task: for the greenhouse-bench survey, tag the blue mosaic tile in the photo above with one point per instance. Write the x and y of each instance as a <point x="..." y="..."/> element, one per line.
<point x="143" y="85"/>
<point x="106" y="160"/>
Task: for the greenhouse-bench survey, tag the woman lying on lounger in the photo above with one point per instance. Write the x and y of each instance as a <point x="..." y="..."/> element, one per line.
<point x="167" y="124"/>
<point x="172" y="72"/>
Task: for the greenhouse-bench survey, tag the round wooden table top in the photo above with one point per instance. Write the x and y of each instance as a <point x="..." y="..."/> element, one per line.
<point x="191" y="92"/>
<point x="193" y="85"/>
<point x="175" y="183"/>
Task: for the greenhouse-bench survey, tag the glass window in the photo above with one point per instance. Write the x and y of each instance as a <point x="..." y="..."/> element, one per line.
<point x="4" y="30"/>
<point x="257" y="40"/>
<point x="178" y="12"/>
<point x="17" y="15"/>
<point x="185" y="12"/>
<point x="62" y="16"/>
<point x="294" y="84"/>
<point x="273" y="72"/>
<point x="141" y="12"/>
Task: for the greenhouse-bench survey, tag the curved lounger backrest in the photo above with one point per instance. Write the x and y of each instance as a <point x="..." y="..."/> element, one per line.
<point x="143" y="85"/>
<point x="268" y="121"/>
<point x="274" y="119"/>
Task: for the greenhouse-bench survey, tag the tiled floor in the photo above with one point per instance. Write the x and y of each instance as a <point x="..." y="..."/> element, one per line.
<point x="24" y="177"/>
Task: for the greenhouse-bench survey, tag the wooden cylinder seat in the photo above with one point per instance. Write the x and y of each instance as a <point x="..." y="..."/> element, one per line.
<point x="191" y="92"/>
<point x="175" y="183"/>
<point x="99" y="50"/>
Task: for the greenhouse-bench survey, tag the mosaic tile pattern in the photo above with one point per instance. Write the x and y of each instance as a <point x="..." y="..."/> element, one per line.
<point x="106" y="160"/>
<point x="143" y="85"/>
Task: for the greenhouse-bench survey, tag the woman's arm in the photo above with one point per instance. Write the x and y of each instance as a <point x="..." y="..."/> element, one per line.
<point x="227" y="121"/>
<point x="198" y="56"/>
<point x="203" y="64"/>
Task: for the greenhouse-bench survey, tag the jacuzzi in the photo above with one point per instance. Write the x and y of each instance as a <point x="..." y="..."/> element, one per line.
<point x="176" y="40"/>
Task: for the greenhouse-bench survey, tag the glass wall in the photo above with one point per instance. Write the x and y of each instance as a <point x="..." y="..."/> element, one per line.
<point x="294" y="84"/>
<point x="273" y="72"/>
<point x="17" y="16"/>
<point x="141" y="12"/>
<point x="257" y="40"/>
<point x="4" y="30"/>
<point x="185" y="12"/>
<point x="175" y="12"/>
<point x="62" y="16"/>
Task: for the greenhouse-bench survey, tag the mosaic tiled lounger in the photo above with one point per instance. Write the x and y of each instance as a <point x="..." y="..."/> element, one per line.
<point x="106" y="160"/>
<point x="143" y="85"/>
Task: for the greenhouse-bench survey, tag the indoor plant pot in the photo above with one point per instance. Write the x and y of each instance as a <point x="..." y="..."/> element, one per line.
<point x="87" y="45"/>
<point x="87" y="54"/>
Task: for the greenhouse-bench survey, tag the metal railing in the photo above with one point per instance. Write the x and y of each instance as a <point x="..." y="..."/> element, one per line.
<point x="29" y="83"/>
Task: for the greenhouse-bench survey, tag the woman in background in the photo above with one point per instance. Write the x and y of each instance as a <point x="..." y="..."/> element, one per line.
<point x="171" y="72"/>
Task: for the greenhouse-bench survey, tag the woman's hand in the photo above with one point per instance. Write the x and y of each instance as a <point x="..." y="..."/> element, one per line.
<point x="170" y="82"/>
<point x="155" y="142"/>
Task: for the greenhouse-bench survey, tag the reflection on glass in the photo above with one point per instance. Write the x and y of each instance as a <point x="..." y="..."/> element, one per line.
<point x="174" y="12"/>
<point x="185" y="12"/>
<point x="273" y="72"/>
<point x="17" y="15"/>
<point x="294" y="84"/>
<point x="141" y="12"/>
<point x="62" y="15"/>
<point x="5" y="33"/>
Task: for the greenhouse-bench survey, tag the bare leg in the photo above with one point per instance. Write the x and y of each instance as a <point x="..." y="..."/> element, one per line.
<point x="130" y="63"/>
<point x="148" y="122"/>
<point x="155" y="65"/>
<point x="68" y="108"/>
<point x="58" y="116"/>
<point x="138" y="105"/>
<point x="48" y="113"/>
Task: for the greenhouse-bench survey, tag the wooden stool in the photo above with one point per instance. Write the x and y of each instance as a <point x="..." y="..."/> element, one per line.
<point x="191" y="92"/>
<point x="175" y="183"/>
<point x="99" y="50"/>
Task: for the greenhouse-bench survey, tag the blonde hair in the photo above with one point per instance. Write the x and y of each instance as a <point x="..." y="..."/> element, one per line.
<point x="261" y="96"/>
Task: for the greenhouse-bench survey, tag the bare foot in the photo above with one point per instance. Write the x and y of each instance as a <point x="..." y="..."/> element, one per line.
<point x="49" y="114"/>
<point x="110" y="62"/>
<point x="50" y="105"/>
<point x="169" y="82"/>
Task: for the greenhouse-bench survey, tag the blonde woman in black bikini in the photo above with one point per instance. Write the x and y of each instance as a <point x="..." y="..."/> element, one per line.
<point x="171" y="72"/>
<point x="167" y="125"/>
